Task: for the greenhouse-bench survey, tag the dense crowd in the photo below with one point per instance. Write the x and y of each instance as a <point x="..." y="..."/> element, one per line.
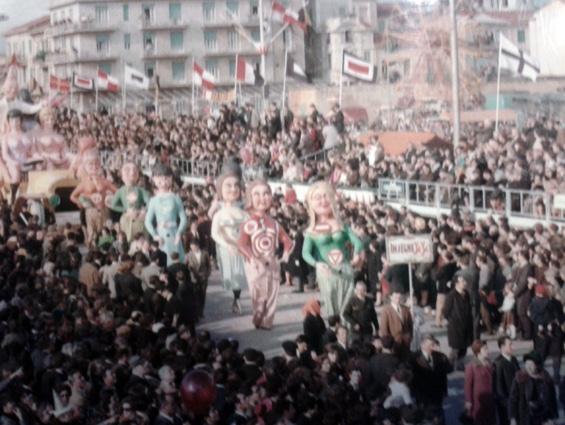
<point x="106" y="335"/>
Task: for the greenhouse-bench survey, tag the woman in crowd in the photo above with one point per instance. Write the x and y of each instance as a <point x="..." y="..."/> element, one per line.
<point x="479" y="396"/>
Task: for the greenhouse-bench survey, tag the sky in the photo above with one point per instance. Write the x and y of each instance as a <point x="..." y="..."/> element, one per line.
<point x="19" y="12"/>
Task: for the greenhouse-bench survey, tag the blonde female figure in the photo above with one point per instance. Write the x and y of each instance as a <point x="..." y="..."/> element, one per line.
<point x="227" y="217"/>
<point x="50" y="146"/>
<point x="327" y="248"/>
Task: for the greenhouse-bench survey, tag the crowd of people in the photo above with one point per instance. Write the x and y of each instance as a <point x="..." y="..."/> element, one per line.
<point x="103" y="333"/>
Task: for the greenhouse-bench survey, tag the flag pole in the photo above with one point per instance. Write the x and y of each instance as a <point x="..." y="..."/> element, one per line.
<point x="235" y="77"/>
<point x="192" y="94"/>
<point x="124" y="91"/>
<point x="262" y="47"/>
<point x="96" y="91"/>
<point x="341" y="79"/>
<point x="72" y="89"/>
<point x="454" y="74"/>
<point x="283" y="101"/>
<point x="498" y="84"/>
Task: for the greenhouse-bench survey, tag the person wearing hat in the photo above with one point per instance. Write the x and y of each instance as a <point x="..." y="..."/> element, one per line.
<point x="430" y="368"/>
<point x="226" y="222"/>
<point x="396" y="321"/>
<point x="457" y="311"/>
<point x="533" y="399"/>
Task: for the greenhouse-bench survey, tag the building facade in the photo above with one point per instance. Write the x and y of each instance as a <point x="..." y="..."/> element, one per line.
<point x="547" y="39"/>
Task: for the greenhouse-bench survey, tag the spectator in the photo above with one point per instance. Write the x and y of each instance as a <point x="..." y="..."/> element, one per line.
<point x="361" y="315"/>
<point x="479" y="396"/>
<point x="505" y="369"/>
<point x="313" y="325"/>
<point x="457" y="311"/>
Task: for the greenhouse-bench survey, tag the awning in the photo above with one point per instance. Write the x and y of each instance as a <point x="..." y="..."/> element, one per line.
<point x="398" y="142"/>
<point x="355" y="114"/>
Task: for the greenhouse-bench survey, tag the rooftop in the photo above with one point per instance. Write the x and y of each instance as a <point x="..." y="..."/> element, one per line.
<point x="29" y="26"/>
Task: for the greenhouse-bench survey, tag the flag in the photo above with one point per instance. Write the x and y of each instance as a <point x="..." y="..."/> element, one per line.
<point x="107" y="82"/>
<point x="357" y="68"/>
<point x="513" y="58"/>
<point x="202" y="77"/>
<point x="59" y="84"/>
<point x="295" y="71"/>
<point x="135" y="78"/>
<point x="288" y="16"/>
<point x="245" y="73"/>
<point x="83" y="83"/>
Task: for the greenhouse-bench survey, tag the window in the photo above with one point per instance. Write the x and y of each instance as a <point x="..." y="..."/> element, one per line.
<point x="125" y="12"/>
<point x="232" y="7"/>
<point x="367" y="55"/>
<point x="209" y="10"/>
<point x="102" y="44"/>
<point x="177" y="40"/>
<point x="101" y="14"/>
<point x="106" y="67"/>
<point x="521" y="36"/>
<point x="148" y="15"/>
<point x="178" y="71"/>
<point x="174" y="12"/>
<point x="342" y="12"/>
<point x="254" y="7"/>
<point x="211" y="66"/>
<point x="232" y="68"/>
<point x="127" y="41"/>
<point x="256" y="35"/>
<point x="233" y="40"/>
<point x="148" y="41"/>
<point x="363" y="12"/>
<point x="504" y="3"/>
<point x="150" y="69"/>
<point x="406" y="68"/>
<point x="347" y="36"/>
<point x="210" y="40"/>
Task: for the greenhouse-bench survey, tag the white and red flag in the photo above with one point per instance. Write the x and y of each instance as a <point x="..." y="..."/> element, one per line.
<point x="245" y="73"/>
<point x="83" y="82"/>
<point x="61" y="85"/>
<point x="203" y="78"/>
<point x="107" y="82"/>
<point x="288" y="16"/>
<point x="354" y="67"/>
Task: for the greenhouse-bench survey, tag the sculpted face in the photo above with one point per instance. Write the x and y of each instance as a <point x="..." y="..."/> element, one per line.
<point x="130" y="174"/>
<point x="92" y="164"/>
<point x="231" y="190"/>
<point x="322" y="202"/>
<point x="163" y="183"/>
<point x="261" y="198"/>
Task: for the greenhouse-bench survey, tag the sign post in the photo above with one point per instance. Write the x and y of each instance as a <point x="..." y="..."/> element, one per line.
<point x="412" y="249"/>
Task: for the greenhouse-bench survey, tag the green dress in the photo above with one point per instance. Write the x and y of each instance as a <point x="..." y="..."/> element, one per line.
<point x="130" y="198"/>
<point x="333" y="249"/>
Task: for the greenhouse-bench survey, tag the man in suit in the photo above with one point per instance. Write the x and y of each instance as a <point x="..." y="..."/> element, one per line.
<point x="523" y="292"/>
<point x="361" y="315"/>
<point x="199" y="266"/>
<point x="430" y="368"/>
<point x="469" y="272"/>
<point x="505" y="368"/>
<point x="167" y="412"/>
<point x="457" y="311"/>
<point x="173" y="269"/>
<point x="381" y="367"/>
<point x="396" y="321"/>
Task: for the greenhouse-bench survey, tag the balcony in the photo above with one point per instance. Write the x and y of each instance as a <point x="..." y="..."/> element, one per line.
<point x="86" y="27"/>
<point x="165" y="53"/>
<point x="168" y="24"/>
<point x="227" y="20"/>
<point x="94" y="56"/>
<point x="221" y="51"/>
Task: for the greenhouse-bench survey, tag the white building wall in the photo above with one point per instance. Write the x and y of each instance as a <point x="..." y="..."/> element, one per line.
<point x="547" y="39"/>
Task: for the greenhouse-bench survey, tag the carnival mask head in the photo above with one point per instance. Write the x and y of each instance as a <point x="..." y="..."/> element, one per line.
<point x="47" y="117"/>
<point x="259" y="196"/>
<point x="163" y="178"/>
<point x="228" y="186"/>
<point x="15" y="119"/>
<point x="321" y="202"/>
<point x="130" y="173"/>
<point x="91" y="161"/>
<point x="85" y="143"/>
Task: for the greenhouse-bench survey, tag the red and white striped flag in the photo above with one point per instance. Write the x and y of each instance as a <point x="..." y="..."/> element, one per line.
<point x="357" y="68"/>
<point x="287" y="16"/>
<point x="83" y="83"/>
<point x="59" y="84"/>
<point x="203" y="78"/>
<point x="107" y="82"/>
<point x="245" y="72"/>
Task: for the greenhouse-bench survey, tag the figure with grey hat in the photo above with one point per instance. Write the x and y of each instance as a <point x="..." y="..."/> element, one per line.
<point x="226" y="221"/>
<point x="165" y="219"/>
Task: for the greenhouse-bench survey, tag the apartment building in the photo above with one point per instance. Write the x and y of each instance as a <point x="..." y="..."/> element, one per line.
<point x="162" y="38"/>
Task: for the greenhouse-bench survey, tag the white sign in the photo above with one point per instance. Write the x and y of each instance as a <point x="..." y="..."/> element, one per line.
<point x="409" y="249"/>
<point x="559" y="202"/>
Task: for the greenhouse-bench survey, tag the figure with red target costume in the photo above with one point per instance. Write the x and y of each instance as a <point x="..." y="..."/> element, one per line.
<point x="331" y="247"/>
<point x="260" y="235"/>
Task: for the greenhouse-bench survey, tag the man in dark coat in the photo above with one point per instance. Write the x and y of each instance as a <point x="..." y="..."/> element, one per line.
<point x="532" y="398"/>
<point x="430" y="368"/>
<point x="505" y="368"/>
<point x="457" y="311"/>
<point x="470" y="273"/>
<point x="381" y="367"/>
<point x="523" y="293"/>
<point x="361" y="315"/>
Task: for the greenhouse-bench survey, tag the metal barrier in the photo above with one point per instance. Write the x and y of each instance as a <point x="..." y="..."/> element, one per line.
<point x="511" y="202"/>
<point x="322" y="154"/>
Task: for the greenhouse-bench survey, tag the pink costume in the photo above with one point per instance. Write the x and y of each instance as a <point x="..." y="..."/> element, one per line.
<point x="50" y="146"/>
<point x="17" y="149"/>
<point x="259" y="238"/>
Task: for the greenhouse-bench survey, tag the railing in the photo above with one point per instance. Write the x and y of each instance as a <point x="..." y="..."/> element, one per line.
<point x="511" y="202"/>
<point x="322" y="154"/>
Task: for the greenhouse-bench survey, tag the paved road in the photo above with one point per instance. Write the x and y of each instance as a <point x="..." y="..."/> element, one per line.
<point x="222" y="323"/>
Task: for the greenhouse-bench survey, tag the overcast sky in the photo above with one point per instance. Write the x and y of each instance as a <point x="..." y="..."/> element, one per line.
<point x="19" y="12"/>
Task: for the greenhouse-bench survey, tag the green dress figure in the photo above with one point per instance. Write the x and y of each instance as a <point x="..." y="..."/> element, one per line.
<point x="130" y="200"/>
<point x="326" y="248"/>
<point x="167" y="211"/>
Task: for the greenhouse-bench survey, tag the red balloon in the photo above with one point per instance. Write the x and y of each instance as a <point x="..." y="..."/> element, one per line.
<point x="198" y="391"/>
